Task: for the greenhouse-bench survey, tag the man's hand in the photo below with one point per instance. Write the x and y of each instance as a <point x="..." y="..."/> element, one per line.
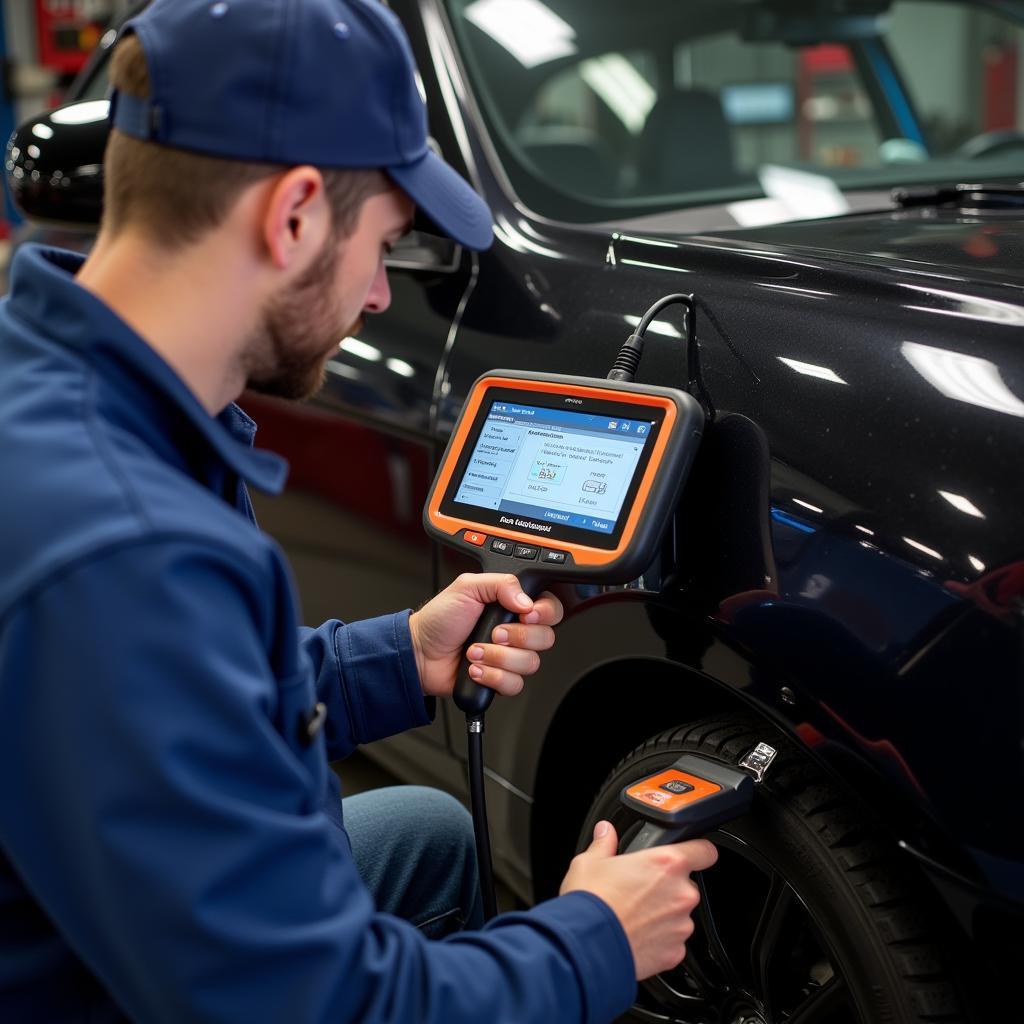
<point x="442" y="626"/>
<point x="649" y="891"/>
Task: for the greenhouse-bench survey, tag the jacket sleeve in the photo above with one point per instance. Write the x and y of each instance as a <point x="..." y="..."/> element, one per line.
<point x="366" y="675"/>
<point x="167" y="820"/>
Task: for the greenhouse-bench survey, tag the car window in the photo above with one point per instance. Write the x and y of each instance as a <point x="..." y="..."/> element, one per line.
<point x="604" y="107"/>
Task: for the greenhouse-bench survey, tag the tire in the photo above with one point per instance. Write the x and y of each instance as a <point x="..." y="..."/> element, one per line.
<point x="809" y="917"/>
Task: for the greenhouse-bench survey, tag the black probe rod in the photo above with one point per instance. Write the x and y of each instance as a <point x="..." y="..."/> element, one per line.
<point x="475" y="738"/>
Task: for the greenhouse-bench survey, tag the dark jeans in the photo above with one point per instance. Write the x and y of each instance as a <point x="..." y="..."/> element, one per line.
<point x="413" y="847"/>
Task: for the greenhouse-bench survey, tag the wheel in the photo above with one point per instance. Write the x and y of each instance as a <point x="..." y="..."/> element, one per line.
<point x="807" y="918"/>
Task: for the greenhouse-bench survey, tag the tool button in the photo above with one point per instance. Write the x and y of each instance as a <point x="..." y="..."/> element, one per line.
<point x="502" y="547"/>
<point x="677" y="786"/>
<point x="526" y="551"/>
<point x="554" y="557"/>
<point x="472" y="537"/>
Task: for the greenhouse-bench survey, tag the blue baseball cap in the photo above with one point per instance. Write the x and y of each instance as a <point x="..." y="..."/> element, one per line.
<point x="330" y="83"/>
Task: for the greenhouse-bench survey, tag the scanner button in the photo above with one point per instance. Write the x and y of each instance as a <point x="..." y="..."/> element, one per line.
<point x="472" y="537"/>
<point x="554" y="557"/>
<point x="526" y="551"/>
<point x="502" y="547"/>
<point x="677" y="786"/>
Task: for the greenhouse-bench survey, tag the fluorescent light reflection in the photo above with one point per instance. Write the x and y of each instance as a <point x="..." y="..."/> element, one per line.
<point x="529" y="30"/>
<point x="82" y="113"/>
<point x="355" y="347"/>
<point x="626" y="92"/>
<point x="342" y="370"/>
<point x="965" y="378"/>
<point x="810" y="370"/>
<point x="962" y="504"/>
<point x="864" y="529"/>
<point x="655" y="266"/>
<point x="921" y="547"/>
<point x="655" y="327"/>
<point x="807" y="505"/>
<point x="505" y="231"/>
<point x="807" y="293"/>
<point x="42" y="131"/>
<point x="971" y="307"/>
<point x="401" y="367"/>
<point x="976" y="562"/>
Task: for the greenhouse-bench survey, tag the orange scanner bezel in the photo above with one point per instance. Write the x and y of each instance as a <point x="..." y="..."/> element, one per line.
<point x="650" y="790"/>
<point x="582" y="554"/>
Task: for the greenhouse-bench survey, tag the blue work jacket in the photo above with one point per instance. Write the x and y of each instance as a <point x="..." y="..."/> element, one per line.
<point x="167" y="848"/>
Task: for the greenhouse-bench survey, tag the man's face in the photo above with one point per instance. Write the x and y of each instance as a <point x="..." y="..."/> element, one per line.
<point x="302" y="327"/>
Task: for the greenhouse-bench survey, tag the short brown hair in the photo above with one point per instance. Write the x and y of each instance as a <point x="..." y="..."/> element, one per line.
<point x="175" y="196"/>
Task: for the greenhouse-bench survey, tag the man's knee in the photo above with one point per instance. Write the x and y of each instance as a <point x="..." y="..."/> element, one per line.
<point x="442" y="817"/>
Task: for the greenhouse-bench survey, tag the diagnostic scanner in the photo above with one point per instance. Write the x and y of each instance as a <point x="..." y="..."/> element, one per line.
<point x="687" y="800"/>
<point x="551" y="478"/>
<point x="554" y="477"/>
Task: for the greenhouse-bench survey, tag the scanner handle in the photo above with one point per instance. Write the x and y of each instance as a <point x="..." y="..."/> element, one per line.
<point x="470" y="697"/>
<point x="659" y="835"/>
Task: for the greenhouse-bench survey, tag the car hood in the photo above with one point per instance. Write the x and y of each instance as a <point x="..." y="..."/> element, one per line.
<point x="955" y="244"/>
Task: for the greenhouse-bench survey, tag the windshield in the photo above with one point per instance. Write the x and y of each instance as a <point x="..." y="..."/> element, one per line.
<point x="603" y="108"/>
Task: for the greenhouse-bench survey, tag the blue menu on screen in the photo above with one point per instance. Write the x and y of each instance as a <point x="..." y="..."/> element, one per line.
<point x="571" y="468"/>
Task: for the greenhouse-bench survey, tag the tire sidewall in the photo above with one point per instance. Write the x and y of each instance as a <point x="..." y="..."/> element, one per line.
<point x="783" y="838"/>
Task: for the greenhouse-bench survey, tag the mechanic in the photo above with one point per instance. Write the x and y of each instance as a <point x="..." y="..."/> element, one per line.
<point x="171" y="838"/>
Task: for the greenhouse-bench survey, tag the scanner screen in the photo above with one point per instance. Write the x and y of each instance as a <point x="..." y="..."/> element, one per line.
<point x="572" y="469"/>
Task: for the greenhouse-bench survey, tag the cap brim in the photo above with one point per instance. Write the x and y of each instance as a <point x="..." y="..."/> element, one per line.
<point x="447" y="199"/>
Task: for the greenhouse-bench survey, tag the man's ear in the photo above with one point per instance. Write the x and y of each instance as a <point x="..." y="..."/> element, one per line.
<point x="296" y="218"/>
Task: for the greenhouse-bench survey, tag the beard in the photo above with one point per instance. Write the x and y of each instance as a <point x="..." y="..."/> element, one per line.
<point x="298" y="333"/>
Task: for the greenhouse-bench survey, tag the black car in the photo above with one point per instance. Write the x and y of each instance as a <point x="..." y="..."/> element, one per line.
<point x="844" y="579"/>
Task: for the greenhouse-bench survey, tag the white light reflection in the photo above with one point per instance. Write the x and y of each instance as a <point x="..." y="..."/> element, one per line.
<point x="962" y="504"/>
<point x="506" y="232"/>
<point x="971" y="306"/>
<point x="810" y="370"/>
<point x="529" y="30"/>
<point x="807" y="194"/>
<point x="82" y="113"/>
<point x="626" y="92"/>
<point x="42" y="131"/>
<point x="341" y="370"/>
<point x="976" y="562"/>
<point x="401" y="367"/>
<point x="759" y="213"/>
<point x="655" y="326"/>
<point x="33" y="151"/>
<point x="864" y="529"/>
<point x="921" y="547"/>
<point x="655" y="266"/>
<point x="965" y="378"/>
<point x="809" y="293"/>
<point x="648" y="241"/>
<point x="355" y="347"/>
<point x="808" y="505"/>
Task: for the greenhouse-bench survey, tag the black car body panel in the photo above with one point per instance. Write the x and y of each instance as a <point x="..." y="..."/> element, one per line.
<point x="848" y="558"/>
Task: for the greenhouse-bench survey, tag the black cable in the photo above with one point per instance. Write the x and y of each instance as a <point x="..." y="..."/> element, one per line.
<point x="475" y="742"/>
<point x="626" y="362"/>
<point x="666" y="300"/>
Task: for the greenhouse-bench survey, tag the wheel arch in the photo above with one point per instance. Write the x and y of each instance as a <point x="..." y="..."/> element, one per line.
<point x="660" y="693"/>
<point x="593" y="728"/>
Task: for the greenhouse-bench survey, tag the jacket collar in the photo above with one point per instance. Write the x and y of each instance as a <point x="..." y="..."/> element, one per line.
<point x="45" y="294"/>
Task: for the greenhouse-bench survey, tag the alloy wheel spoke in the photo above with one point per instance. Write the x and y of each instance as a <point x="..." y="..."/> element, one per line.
<point x="669" y="997"/>
<point x="822" y="1005"/>
<point x="770" y="926"/>
<point x="712" y="937"/>
<point x="696" y="970"/>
